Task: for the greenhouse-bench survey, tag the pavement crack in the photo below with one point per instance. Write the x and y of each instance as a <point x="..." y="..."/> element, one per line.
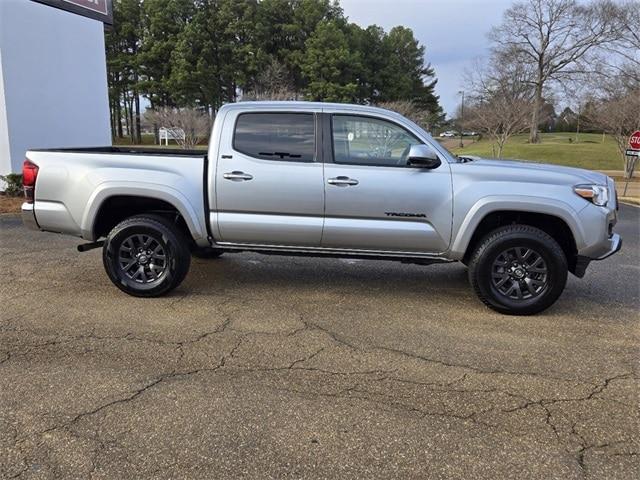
<point x="27" y="349"/>
<point x="133" y="395"/>
<point x="342" y="341"/>
<point x="129" y="398"/>
<point x="7" y="357"/>
<point x="330" y="334"/>
<point x="304" y="359"/>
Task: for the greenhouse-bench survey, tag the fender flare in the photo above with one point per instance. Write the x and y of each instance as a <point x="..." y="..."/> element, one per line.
<point x="141" y="189"/>
<point x="518" y="203"/>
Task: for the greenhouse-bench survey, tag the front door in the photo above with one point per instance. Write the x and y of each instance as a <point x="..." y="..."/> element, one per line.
<point x="269" y="184"/>
<point x="374" y="200"/>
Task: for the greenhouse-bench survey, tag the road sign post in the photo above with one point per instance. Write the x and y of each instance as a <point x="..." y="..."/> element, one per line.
<point x="632" y="155"/>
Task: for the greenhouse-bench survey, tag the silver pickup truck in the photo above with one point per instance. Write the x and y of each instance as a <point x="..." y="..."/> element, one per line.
<point x="324" y="179"/>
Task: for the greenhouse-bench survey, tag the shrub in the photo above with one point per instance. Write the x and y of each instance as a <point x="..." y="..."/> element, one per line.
<point x="13" y="184"/>
<point x="194" y="124"/>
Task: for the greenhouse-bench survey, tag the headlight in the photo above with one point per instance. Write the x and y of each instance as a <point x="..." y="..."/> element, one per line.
<point x="596" y="194"/>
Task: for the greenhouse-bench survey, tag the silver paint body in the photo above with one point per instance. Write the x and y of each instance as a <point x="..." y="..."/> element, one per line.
<point x="295" y="206"/>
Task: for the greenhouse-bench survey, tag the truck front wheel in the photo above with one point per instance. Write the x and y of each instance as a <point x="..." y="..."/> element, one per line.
<point x="518" y="270"/>
<point x="146" y="256"/>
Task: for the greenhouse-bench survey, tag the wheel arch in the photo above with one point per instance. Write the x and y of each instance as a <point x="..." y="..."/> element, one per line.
<point x="111" y="204"/>
<point x="554" y="218"/>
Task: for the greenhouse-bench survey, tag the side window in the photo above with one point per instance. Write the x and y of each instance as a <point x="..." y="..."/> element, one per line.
<point x="276" y="136"/>
<point x="370" y="141"/>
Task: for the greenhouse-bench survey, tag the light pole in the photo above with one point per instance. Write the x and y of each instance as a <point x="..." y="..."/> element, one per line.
<point x="461" y="118"/>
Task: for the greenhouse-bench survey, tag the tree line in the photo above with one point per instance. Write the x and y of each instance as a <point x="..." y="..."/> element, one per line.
<point x="585" y="54"/>
<point x="200" y="54"/>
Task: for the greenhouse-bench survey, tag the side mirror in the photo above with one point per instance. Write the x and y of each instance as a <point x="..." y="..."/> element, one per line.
<point x="423" y="156"/>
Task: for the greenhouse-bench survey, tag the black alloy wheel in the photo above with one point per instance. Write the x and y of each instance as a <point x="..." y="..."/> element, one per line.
<point x="519" y="273"/>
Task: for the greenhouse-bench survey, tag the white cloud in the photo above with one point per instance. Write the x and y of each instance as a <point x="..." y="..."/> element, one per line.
<point x="453" y="31"/>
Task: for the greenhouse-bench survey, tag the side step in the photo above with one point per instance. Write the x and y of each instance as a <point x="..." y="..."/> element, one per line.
<point x="85" y="247"/>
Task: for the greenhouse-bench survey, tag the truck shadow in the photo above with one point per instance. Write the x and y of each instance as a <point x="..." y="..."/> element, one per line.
<point x="365" y="277"/>
<point x="294" y="279"/>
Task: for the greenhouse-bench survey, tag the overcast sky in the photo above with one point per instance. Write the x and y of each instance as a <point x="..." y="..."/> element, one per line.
<point x="453" y="32"/>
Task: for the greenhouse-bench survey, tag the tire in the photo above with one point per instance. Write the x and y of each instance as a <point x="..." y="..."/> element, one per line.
<point x="518" y="270"/>
<point x="207" y="252"/>
<point x="145" y="273"/>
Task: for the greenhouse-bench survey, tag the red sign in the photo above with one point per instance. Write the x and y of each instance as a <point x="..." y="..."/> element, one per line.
<point x="634" y="140"/>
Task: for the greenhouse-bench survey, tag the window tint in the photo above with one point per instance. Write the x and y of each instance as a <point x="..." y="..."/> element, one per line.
<point x="276" y="136"/>
<point x="369" y="141"/>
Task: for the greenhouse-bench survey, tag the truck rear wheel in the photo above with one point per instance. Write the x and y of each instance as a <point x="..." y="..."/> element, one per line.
<point x="146" y="256"/>
<point x="518" y="270"/>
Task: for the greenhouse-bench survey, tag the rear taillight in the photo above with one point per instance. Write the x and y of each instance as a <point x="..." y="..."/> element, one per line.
<point x="29" y="175"/>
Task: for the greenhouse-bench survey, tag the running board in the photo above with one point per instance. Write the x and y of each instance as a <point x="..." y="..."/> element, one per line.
<point x="85" y="247"/>
<point x="403" y="258"/>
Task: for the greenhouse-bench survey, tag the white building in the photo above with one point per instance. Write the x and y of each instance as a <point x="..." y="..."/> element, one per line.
<point x="53" y="78"/>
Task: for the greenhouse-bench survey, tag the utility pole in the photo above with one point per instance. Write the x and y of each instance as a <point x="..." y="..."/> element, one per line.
<point x="461" y="118"/>
<point x="578" y="123"/>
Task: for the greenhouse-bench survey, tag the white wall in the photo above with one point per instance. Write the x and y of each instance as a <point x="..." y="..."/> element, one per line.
<point x="53" y="81"/>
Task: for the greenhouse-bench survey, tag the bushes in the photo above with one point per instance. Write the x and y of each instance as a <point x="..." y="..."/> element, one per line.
<point x="13" y="184"/>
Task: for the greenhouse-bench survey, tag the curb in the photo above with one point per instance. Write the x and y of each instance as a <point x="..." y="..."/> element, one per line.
<point x="633" y="201"/>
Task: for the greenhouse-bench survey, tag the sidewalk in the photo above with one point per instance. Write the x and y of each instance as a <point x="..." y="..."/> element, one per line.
<point x="620" y="174"/>
<point x="633" y="190"/>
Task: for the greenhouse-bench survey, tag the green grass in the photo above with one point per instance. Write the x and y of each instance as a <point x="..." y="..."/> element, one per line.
<point x="589" y="152"/>
<point x="147" y="140"/>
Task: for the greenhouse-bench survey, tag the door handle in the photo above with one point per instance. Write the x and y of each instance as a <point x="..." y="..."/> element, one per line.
<point x="236" y="176"/>
<point x="342" y="181"/>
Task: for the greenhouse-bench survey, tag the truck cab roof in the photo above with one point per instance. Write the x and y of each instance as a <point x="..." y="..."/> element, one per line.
<point x="309" y="106"/>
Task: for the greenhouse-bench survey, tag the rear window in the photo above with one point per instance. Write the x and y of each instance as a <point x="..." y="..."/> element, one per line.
<point x="276" y="136"/>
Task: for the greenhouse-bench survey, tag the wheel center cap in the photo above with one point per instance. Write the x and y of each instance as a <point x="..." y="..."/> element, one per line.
<point x="518" y="272"/>
<point x="142" y="259"/>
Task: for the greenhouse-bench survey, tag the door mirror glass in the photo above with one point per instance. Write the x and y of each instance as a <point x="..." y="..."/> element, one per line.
<point x="423" y="156"/>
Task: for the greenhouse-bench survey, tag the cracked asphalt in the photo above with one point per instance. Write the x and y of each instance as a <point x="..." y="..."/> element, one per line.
<point x="276" y="367"/>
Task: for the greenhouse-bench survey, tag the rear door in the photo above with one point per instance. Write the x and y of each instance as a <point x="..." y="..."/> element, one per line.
<point x="269" y="182"/>
<point x="374" y="200"/>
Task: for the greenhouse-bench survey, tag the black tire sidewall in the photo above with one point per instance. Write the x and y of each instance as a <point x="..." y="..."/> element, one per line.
<point x="165" y="236"/>
<point x="548" y="249"/>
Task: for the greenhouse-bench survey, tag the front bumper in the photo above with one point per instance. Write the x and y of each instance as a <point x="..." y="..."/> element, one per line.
<point x="615" y="244"/>
<point x="29" y="216"/>
<point x="582" y="262"/>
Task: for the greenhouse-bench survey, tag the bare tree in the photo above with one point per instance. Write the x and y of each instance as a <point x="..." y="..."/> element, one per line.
<point x="499" y="102"/>
<point x="273" y="83"/>
<point x="280" y="94"/>
<point x="617" y="114"/>
<point x="554" y="38"/>
<point x="194" y="123"/>
<point x="410" y="110"/>
<point x="622" y="56"/>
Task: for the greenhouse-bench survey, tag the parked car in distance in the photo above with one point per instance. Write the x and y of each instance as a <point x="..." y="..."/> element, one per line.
<point x="325" y="179"/>
<point x="448" y="134"/>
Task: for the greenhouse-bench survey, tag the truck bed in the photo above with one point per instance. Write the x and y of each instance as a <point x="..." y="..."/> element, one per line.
<point x="74" y="183"/>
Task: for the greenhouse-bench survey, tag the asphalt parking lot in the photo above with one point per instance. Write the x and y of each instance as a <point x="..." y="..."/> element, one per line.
<point x="275" y="367"/>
